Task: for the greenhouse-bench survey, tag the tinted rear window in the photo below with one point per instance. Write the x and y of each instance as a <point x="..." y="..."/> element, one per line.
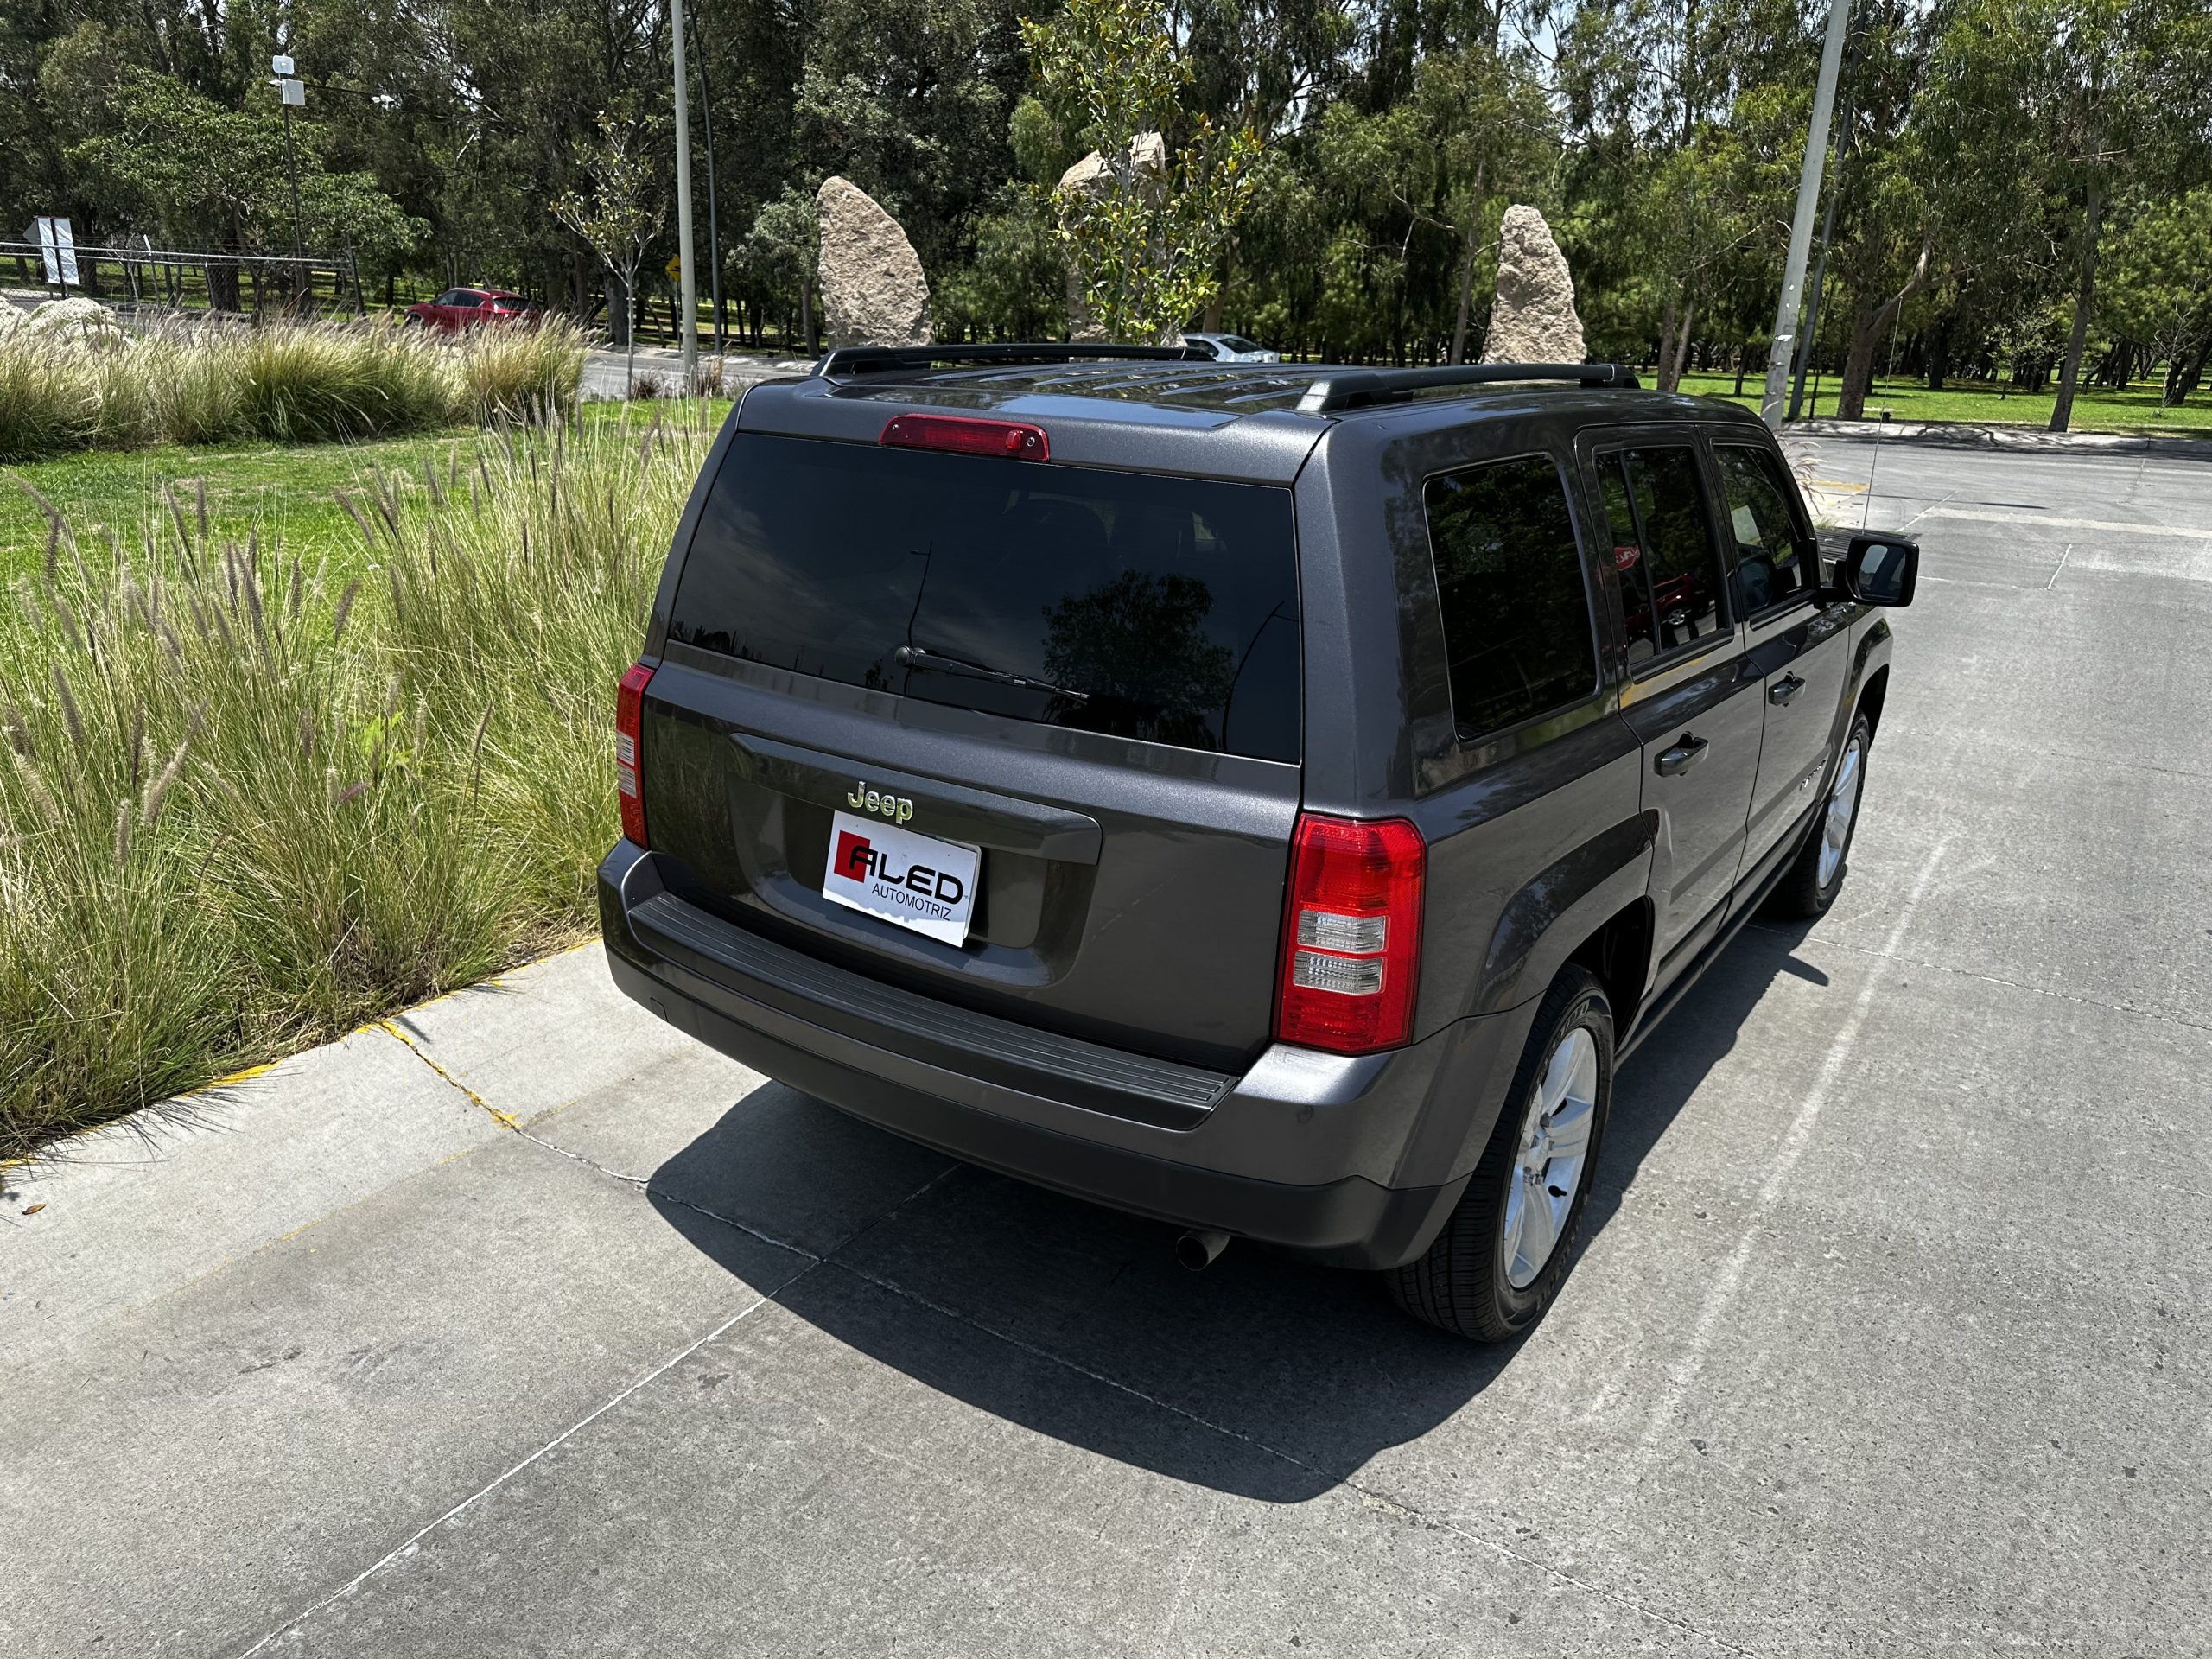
<point x="1138" y="606"/>
<point x="1508" y="582"/>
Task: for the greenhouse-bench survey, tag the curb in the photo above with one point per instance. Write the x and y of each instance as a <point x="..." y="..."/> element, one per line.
<point x="2017" y="440"/>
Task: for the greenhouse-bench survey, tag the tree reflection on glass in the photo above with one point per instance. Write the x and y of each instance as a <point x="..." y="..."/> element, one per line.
<point x="1138" y="644"/>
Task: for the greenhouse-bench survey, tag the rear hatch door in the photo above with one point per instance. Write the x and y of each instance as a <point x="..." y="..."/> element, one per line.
<point x="1019" y="734"/>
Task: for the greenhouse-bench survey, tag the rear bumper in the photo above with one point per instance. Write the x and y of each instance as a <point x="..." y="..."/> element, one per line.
<point x="1355" y="1161"/>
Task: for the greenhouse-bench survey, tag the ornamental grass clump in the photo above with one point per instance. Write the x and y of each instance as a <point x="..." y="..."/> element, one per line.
<point x="317" y="384"/>
<point x="525" y="374"/>
<point x="246" y="805"/>
<point x="74" y="389"/>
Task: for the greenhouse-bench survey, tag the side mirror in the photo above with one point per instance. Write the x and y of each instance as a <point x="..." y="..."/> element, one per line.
<point x="1880" y="569"/>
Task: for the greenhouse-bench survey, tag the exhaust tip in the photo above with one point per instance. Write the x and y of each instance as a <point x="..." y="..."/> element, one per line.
<point x="1197" y="1249"/>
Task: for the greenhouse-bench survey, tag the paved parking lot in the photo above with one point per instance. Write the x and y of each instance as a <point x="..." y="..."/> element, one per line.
<point x="1889" y="1334"/>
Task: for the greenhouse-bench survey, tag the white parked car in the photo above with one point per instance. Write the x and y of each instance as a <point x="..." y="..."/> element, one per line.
<point x="1232" y="348"/>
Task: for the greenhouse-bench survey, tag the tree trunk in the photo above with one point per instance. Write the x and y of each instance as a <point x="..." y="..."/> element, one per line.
<point x="2183" y="376"/>
<point x="806" y="314"/>
<point x="1858" y="362"/>
<point x="1666" y="338"/>
<point x="2085" y="292"/>
<point x="1466" y="295"/>
<point x="617" y="309"/>
<point x="1471" y="242"/>
<point x="1674" y="352"/>
<point x="1742" y="356"/>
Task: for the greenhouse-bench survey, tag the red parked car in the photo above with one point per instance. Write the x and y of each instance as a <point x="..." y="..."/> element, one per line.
<point x="468" y="307"/>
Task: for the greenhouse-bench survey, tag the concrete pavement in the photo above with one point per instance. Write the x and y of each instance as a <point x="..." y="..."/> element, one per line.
<point x="524" y="1326"/>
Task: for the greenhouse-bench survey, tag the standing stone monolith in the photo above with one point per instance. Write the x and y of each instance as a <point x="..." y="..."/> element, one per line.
<point x="872" y="289"/>
<point x="1533" y="319"/>
<point x="1092" y="177"/>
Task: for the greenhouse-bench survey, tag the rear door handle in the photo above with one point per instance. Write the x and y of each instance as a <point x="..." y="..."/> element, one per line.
<point x="1687" y="752"/>
<point x="1784" y="689"/>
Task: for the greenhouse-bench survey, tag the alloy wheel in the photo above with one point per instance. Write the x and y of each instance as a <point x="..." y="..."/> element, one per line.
<point x="1843" y="806"/>
<point x="1548" y="1159"/>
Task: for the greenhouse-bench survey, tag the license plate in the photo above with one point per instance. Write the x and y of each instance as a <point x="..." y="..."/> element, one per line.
<point x="916" y="881"/>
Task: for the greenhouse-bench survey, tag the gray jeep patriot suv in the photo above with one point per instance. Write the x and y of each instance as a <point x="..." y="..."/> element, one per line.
<point x="1267" y="799"/>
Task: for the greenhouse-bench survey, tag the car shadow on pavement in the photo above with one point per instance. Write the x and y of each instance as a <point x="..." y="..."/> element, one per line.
<point x="1263" y="1376"/>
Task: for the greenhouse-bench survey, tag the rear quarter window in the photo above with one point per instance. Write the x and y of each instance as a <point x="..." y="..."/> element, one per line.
<point x="1514" y="601"/>
<point x="1517" y="630"/>
<point x="1132" y="604"/>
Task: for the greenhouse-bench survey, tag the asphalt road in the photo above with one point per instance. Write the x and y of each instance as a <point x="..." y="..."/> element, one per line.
<point x="609" y="375"/>
<point x="1889" y="1334"/>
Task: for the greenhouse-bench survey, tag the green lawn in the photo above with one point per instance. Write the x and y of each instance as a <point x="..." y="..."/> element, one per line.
<point x="2096" y="410"/>
<point x="287" y="490"/>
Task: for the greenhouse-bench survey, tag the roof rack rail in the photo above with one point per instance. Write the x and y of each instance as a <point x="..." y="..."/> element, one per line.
<point x="881" y="359"/>
<point x="1359" y="388"/>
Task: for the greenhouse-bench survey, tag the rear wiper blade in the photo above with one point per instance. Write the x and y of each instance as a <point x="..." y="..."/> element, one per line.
<point x="920" y="656"/>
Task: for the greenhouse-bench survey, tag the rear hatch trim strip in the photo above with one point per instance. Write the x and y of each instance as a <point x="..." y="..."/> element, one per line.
<point x="952" y="812"/>
<point x="1085" y="1074"/>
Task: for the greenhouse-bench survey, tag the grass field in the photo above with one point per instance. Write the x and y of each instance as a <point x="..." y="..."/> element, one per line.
<point x="287" y="492"/>
<point x="2096" y="410"/>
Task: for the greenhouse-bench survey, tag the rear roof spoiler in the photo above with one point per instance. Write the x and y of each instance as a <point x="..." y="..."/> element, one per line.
<point x="1357" y="388"/>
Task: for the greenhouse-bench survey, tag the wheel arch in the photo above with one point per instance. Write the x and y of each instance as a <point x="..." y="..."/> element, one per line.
<point x="1871" y="695"/>
<point x="1573" y="899"/>
<point x="1619" y="953"/>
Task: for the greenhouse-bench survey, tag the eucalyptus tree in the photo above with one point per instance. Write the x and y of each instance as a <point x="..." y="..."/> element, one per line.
<point x="2090" y="98"/>
<point x="1145" y="236"/>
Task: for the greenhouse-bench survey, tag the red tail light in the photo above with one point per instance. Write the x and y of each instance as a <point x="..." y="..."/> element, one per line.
<point x="629" y="752"/>
<point x="1351" y="940"/>
<point x="1012" y="440"/>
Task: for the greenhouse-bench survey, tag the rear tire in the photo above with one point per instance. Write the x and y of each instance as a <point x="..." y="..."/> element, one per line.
<point x="1485" y="1277"/>
<point x="1817" y="873"/>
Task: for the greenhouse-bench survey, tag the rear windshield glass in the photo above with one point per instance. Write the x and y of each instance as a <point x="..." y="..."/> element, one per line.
<point x="1142" y="607"/>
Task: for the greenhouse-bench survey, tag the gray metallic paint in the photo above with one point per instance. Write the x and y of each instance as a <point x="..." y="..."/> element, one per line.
<point x="1537" y="834"/>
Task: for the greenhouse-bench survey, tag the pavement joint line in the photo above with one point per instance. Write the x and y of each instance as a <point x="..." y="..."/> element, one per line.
<point x="474" y="1497"/>
<point x="1922" y="513"/>
<point x="505" y="1120"/>
<point x="1999" y="979"/>
<point x="644" y="1184"/>
<point x="607" y="1405"/>
<point x="1795" y="1139"/>
<point x="1390" y="1503"/>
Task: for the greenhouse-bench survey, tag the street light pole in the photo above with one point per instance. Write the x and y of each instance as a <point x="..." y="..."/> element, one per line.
<point x="714" y="220"/>
<point x="1812" y="341"/>
<point x="291" y="90"/>
<point x="687" y="278"/>
<point x="1801" y="226"/>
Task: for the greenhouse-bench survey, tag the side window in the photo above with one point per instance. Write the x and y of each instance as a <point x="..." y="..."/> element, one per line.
<point x="1773" y="560"/>
<point x="1508" y="577"/>
<point x="1663" y="558"/>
